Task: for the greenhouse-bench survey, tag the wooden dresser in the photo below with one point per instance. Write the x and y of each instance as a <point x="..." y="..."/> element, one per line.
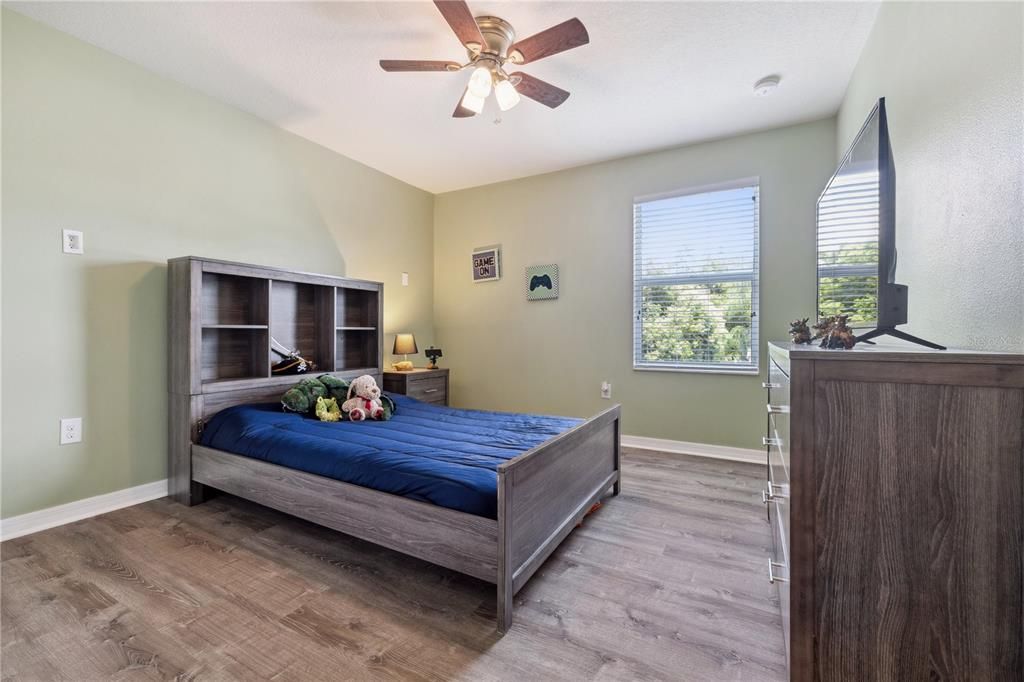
<point x="895" y="497"/>
<point x="428" y="385"/>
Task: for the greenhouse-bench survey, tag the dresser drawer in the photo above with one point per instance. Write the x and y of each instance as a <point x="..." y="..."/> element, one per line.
<point x="778" y="570"/>
<point x="778" y="386"/>
<point x="778" y="461"/>
<point x="427" y="389"/>
<point x="427" y="385"/>
<point x="777" y="437"/>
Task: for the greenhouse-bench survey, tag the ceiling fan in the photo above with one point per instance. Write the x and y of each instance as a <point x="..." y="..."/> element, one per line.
<point x="491" y="44"/>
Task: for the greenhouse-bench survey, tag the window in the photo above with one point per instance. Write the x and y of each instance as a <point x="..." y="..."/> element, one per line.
<point x="848" y="248"/>
<point x="695" y="269"/>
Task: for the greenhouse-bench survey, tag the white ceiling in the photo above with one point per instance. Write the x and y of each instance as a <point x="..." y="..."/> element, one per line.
<point x="655" y="74"/>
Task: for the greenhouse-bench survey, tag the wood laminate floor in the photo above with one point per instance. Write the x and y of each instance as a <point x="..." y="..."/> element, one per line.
<point x="666" y="581"/>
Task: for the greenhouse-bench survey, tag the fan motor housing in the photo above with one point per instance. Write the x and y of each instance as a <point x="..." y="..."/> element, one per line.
<point x="499" y="36"/>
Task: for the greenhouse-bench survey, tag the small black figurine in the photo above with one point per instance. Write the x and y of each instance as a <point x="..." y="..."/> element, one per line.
<point x="432" y="354"/>
<point x="799" y="331"/>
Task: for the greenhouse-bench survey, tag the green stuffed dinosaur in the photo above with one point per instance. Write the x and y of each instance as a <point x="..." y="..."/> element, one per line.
<point x="305" y="397"/>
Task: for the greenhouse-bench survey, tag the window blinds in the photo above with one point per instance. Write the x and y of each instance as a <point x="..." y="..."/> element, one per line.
<point x="695" y="280"/>
<point x="848" y="248"/>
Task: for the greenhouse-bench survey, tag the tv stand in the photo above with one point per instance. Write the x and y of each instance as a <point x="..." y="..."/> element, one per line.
<point x="894" y="332"/>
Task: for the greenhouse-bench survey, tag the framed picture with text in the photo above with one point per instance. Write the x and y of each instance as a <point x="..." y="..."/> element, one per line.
<point x="487" y="263"/>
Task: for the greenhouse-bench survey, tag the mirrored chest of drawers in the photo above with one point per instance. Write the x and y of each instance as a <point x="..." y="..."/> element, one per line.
<point x="894" y="493"/>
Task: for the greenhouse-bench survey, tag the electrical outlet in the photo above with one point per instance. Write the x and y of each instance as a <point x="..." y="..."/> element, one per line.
<point x="70" y="430"/>
<point x="606" y="390"/>
<point x="405" y="279"/>
<point x="73" y="241"/>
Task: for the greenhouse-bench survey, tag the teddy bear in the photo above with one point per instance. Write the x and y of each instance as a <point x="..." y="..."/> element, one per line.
<point x="363" y="400"/>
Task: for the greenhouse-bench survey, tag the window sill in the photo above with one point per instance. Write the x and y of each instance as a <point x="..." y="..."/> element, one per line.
<point x="736" y="371"/>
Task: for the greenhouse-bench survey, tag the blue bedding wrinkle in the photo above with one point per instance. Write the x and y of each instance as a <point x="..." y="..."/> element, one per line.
<point x="442" y="455"/>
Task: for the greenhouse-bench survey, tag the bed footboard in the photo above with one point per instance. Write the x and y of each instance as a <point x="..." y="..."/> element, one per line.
<point x="544" y="493"/>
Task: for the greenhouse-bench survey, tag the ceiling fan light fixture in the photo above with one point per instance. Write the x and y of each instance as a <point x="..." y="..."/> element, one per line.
<point x="480" y="82"/>
<point x="506" y="95"/>
<point x="472" y="102"/>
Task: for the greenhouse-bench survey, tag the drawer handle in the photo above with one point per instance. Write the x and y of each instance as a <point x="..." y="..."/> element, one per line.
<point x="770" y="384"/>
<point x="431" y="390"/>
<point x="770" y="493"/>
<point x="766" y="441"/>
<point x="778" y="409"/>
<point x="772" y="578"/>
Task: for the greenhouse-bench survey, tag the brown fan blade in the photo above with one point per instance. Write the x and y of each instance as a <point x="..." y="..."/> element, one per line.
<point x="458" y="16"/>
<point x="564" y="36"/>
<point x="417" y="65"/>
<point x="461" y="111"/>
<point x="536" y="89"/>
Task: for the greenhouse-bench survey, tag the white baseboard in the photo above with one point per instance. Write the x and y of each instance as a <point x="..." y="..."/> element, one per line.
<point x="680" y="447"/>
<point x="33" y="522"/>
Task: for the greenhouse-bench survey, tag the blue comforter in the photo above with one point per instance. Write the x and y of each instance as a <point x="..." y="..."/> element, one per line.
<point x="442" y="455"/>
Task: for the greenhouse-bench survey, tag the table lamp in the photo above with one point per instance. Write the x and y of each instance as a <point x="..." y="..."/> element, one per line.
<point x="404" y="345"/>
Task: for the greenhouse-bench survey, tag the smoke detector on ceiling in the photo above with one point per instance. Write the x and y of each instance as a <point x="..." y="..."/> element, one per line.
<point x="766" y="86"/>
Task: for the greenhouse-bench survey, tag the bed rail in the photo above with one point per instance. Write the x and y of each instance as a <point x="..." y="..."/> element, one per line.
<point x="545" y="492"/>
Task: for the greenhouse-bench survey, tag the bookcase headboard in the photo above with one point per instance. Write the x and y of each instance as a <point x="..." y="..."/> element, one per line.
<point x="221" y="318"/>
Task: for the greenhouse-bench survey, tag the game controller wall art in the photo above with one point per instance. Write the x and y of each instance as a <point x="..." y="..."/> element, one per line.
<point x="541" y="282"/>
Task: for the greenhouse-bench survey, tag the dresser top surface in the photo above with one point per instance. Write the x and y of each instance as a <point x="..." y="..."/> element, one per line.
<point x="893" y="353"/>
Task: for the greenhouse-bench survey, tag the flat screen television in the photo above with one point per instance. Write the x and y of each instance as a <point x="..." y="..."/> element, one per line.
<point x="856" y="238"/>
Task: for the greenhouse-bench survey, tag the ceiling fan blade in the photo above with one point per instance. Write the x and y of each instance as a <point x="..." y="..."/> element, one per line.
<point x="564" y="36"/>
<point x="417" y="65"/>
<point x="458" y="16"/>
<point x="536" y="89"/>
<point x="461" y="111"/>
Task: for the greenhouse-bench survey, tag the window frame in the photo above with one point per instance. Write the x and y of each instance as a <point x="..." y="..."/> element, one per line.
<point x="754" y="277"/>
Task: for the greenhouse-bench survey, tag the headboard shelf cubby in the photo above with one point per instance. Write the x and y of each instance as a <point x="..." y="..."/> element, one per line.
<point x="223" y="317"/>
<point x="228" y="300"/>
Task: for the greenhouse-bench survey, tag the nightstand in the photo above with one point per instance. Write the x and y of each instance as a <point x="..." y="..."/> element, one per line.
<point x="428" y="385"/>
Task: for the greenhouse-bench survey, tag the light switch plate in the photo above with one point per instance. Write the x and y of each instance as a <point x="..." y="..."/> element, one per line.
<point x="606" y="390"/>
<point x="405" y="279"/>
<point x="70" y="430"/>
<point x="74" y="241"/>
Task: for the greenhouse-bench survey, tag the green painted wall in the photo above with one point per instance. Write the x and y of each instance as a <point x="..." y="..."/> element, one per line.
<point x="551" y="356"/>
<point x="953" y="78"/>
<point x="150" y="170"/>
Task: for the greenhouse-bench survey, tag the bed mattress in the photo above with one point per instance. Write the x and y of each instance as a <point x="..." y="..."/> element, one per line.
<point x="436" y="454"/>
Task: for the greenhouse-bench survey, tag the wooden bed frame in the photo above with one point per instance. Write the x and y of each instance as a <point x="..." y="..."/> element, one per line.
<point x="221" y="316"/>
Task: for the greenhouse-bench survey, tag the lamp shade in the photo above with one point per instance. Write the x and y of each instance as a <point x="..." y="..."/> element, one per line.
<point x="405" y="344"/>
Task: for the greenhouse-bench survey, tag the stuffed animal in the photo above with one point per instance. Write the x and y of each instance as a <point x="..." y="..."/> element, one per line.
<point x="306" y="396"/>
<point x="327" y="410"/>
<point x="363" y="400"/>
<point x="302" y="397"/>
